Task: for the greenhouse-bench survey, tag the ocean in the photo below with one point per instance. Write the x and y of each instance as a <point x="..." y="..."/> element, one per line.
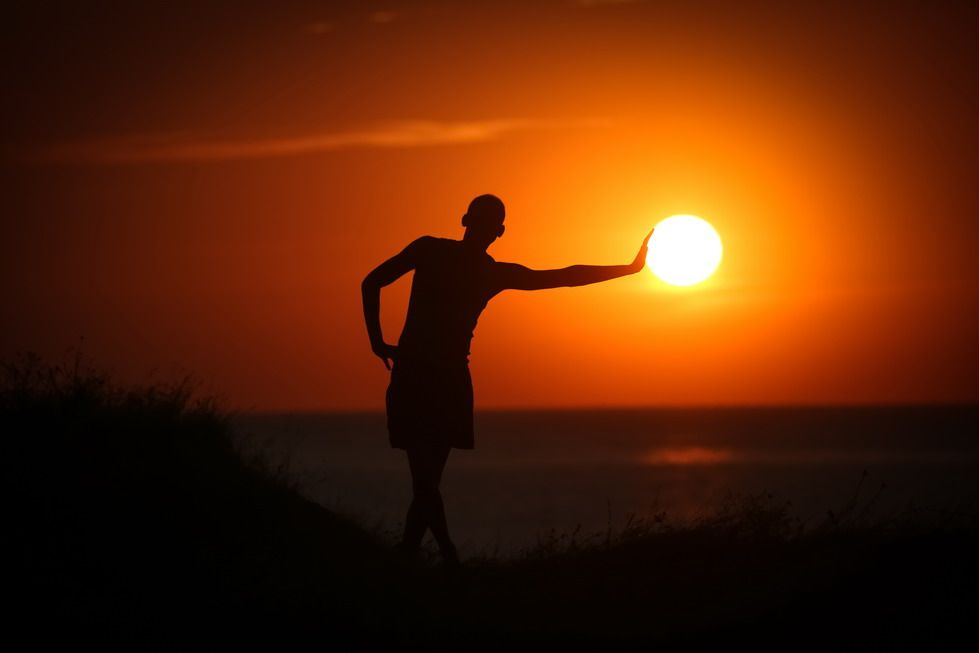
<point x="536" y="473"/>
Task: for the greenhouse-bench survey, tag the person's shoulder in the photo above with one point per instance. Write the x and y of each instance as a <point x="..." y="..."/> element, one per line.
<point x="422" y="244"/>
<point x="502" y="271"/>
<point x="434" y="241"/>
<point x="426" y="248"/>
<point x="424" y="240"/>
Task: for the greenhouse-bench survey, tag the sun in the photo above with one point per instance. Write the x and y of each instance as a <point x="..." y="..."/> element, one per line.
<point x="684" y="250"/>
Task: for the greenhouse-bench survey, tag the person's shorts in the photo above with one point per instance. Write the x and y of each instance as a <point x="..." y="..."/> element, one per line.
<point x="430" y="403"/>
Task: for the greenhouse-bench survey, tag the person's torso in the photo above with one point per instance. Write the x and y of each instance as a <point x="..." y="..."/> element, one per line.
<point x="451" y="286"/>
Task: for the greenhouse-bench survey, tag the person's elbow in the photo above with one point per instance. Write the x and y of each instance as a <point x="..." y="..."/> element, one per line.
<point x="369" y="284"/>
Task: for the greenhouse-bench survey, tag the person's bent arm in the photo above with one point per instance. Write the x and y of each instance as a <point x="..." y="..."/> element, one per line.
<point x="370" y="291"/>
<point x="518" y="277"/>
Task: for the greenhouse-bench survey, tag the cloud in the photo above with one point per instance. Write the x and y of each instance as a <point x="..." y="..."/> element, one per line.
<point x="598" y="3"/>
<point x="184" y="147"/>
<point x="319" y="28"/>
<point x="383" y="16"/>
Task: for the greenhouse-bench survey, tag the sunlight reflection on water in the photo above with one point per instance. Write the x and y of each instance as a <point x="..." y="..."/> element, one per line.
<point x="700" y="455"/>
<point x="687" y="456"/>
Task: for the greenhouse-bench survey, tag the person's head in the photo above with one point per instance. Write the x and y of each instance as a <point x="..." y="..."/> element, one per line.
<point x="484" y="220"/>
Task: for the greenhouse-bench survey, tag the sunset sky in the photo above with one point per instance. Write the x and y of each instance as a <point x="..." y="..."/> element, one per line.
<point x="202" y="189"/>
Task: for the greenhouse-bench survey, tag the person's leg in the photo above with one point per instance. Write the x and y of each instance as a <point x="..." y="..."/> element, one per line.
<point x="437" y="522"/>
<point x="416" y="521"/>
<point x="415" y="525"/>
<point x="426" y="509"/>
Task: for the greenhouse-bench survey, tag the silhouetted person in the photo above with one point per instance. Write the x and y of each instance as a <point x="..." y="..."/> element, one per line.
<point x="430" y="396"/>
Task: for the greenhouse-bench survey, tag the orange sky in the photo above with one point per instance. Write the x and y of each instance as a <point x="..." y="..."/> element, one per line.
<point x="202" y="189"/>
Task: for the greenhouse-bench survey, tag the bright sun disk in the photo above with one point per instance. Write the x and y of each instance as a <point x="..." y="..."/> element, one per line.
<point x="684" y="250"/>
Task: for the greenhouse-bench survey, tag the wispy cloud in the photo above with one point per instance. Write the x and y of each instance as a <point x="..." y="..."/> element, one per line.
<point x="598" y="3"/>
<point x="383" y="16"/>
<point x="319" y="28"/>
<point x="149" y="148"/>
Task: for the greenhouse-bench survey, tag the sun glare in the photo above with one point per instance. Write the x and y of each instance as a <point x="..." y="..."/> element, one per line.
<point x="684" y="250"/>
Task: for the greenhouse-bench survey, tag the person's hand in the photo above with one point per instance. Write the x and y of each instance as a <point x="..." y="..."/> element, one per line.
<point x="640" y="260"/>
<point x="386" y="353"/>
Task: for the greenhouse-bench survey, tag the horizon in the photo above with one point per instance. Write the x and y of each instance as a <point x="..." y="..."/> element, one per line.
<point x="623" y="408"/>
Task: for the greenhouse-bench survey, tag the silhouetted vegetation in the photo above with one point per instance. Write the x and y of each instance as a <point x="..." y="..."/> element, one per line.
<point x="132" y="518"/>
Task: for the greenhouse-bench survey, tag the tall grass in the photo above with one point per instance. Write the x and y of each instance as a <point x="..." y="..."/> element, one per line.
<point x="131" y="513"/>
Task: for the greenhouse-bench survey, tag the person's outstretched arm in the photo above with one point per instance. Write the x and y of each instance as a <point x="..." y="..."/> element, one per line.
<point x="518" y="277"/>
<point x="370" y="290"/>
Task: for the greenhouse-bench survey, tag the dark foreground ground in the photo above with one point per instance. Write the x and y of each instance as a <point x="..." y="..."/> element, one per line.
<point x="131" y="520"/>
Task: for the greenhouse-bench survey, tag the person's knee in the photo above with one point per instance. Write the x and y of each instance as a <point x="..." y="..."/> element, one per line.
<point x="426" y="492"/>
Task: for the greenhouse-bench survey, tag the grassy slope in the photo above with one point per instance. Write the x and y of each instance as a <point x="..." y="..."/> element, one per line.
<point x="132" y="519"/>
